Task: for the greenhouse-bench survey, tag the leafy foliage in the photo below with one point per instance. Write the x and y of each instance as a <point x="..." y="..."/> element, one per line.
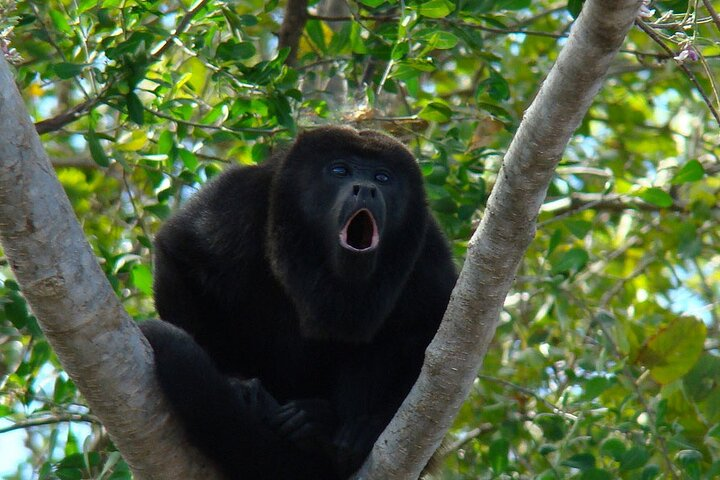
<point x="606" y="362"/>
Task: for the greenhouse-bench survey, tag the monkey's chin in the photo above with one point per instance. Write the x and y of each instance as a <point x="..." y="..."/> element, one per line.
<point x="354" y="266"/>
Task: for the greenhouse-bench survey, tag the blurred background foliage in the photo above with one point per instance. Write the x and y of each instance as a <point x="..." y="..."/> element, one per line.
<point x="606" y="364"/>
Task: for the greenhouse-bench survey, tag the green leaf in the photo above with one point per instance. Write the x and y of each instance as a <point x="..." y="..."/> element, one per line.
<point x="553" y="426"/>
<point x="436" y="112"/>
<point x="673" y="351"/>
<point x="572" y="261"/>
<point x="555" y="240"/>
<point x="409" y="69"/>
<point x="498" y="455"/>
<point x="436" y="8"/>
<point x="656" y="196"/>
<point x="142" y="278"/>
<point x="613" y="448"/>
<point x="514" y="4"/>
<point x="232" y="50"/>
<point x="634" y="458"/>
<point x="596" y="474"/>
<point x="165" y="142"/>
<point x="594" y="387"/>
<point x="650" y="472"/>
<point x="16" y="309"/>
<point x="372" y="3"/>
<point x="400" y="50"/>
<point x="59" y="21"/>
<point x="160" y="210"/>
<point x="437" y="39"/>
<point x="85" y="5"/>
<point x="496" y="111"/>
<point x="314" y="29"/>
<point x="581" y="461"/>
<point x="690" y="462"/>
<point x="189" y="159"/>
<point x="574" y="7"/>
<point x="135" y="108"/>
<point x="692" y="171"/>
<point x="547" y="448"/>
<point x="96" y="150"/>
<point x="496" y="86"/>
<point x="579" y="228"/>
<point x="67" y="70"/>
<point x="249" y="20"/>
<point x="703" y="378"/>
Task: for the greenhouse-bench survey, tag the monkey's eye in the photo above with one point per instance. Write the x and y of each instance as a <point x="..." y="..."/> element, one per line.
<point x="340" y="170"/>
<point x="382" y="177"/>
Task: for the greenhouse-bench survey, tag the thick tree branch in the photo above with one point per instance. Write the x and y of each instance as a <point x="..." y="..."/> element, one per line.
<point x="499" y="243"/>
<point x="293" y="25"/>
<point x="97" y="343"/>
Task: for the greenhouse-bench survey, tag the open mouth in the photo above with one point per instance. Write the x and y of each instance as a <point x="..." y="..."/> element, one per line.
<point x="360" y="232"/>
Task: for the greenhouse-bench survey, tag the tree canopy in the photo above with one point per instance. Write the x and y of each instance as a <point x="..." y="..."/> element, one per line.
<point x="606" y="360"/>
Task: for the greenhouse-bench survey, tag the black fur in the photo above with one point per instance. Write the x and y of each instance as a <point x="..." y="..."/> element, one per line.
<point x="307" y="320"/>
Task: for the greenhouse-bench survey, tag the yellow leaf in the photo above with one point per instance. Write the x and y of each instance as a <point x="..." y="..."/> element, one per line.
<point x="34" y="90"/>
<point x="133" y="142"/>
<point x="306" y="45"/>
<point x="199" y="73"/>
<point x="673" y="350"/>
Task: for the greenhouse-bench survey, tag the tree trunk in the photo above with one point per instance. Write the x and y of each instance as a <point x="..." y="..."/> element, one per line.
<point x="97" y="343"/>
<point x="497" y="247"/>
<point x="110" y="361"/>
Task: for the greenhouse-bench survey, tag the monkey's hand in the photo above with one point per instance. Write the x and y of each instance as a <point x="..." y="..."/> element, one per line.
<point x="309" y="424"/>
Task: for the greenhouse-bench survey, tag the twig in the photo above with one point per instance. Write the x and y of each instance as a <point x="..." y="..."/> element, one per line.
<point x="553" y="408"/>
<point x="641" y="399"/>
<point x="713" y="12"/>
<point x="615" y="289"/>
<point x="37" y="422"/>
<point x="56" y="123"/>
<point x="184" y="22"/>
<point x="349" y="18"/>
<point x="579" y="201"/>
<point x="651" y="33"/>
<point x="265" y="131"/>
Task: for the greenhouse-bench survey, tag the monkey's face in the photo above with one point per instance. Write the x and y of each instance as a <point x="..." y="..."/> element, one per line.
<point x="347" y="220"/>
<point x="363" y="191"/>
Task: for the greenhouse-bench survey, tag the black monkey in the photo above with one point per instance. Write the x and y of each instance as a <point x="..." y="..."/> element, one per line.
<point x="306" y="290"/>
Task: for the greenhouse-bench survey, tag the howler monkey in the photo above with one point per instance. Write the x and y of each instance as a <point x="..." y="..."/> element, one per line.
<point x="305" y="290"/>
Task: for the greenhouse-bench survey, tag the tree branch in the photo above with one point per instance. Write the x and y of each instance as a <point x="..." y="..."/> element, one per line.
<point x="498" y="245"/>
<point x="56" y="123"/>
<point x="59" y="121"/>
<point x="688" y="73"/>
<point x="100" y="347"/>
<point x="296" y="16"/>
<point x="713" y="13"/>
<point x="49" y="420"/>
<point x="182" y="25"/>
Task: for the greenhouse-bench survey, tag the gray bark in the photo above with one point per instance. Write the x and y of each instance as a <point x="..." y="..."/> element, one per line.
<point x="97" y="343"/>
<point x="498" y="245"/>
